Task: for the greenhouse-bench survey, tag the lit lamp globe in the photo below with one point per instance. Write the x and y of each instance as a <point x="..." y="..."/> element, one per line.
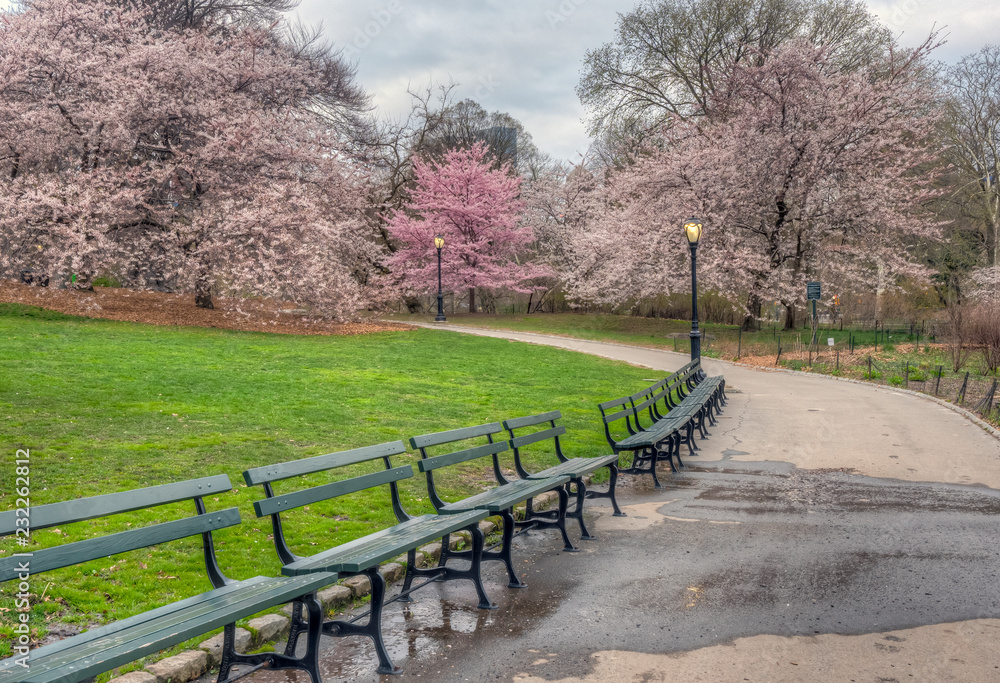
<point x="439" y="242"/>
<point x="692" y="230"/>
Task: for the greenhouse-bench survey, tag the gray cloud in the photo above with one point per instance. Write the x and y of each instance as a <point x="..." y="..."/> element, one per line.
<point x="524" y="56"/>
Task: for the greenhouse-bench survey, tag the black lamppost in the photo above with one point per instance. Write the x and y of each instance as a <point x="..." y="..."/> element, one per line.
<point x="692" y="230"/>
<point x="439" y="243"/>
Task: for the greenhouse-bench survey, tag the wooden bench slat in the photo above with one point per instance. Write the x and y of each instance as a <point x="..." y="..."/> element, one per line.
<point x="102" y="631"/>
<point x="506" y="496"/>
<point x="54" y="514"/>
<point x="645" y="404"/>
<point x="434" y="462"/>
<point x="531" y="420"/>
<point x="290" y="501"/>
<point x="147" y="637"/>
<point x="438" y="438"/>
<point x="576" y="468"/>
<point x="638" y="395"/>
<point x="286" y="470"/>
<point x="124" y="541"/>
<point x="383" y="545"/>
<point x="529" y="439"/>
<point x="608" y="419"/>
<point x="614" y="403"/>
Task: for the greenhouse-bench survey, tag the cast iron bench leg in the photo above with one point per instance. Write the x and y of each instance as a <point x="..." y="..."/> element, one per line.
<point x="610" y="493"/>
<point x="670" y="456"/>
<point x="613" y="490"/>
<point x="275" y="661"/>
<point x="652" y="469"/>
<point x="581" y="495"/>
<point x="689" y="439"/>
<point x="701" y="422"/>
<point x="443" y="573"/>
<point x="373" y="629"/>
<point x="504" y="552"/>
<point x="549" y="519"/>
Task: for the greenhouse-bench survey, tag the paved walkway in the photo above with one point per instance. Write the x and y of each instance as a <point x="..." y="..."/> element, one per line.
<point x="827" y="531"/>
<point x="817" y="422"/>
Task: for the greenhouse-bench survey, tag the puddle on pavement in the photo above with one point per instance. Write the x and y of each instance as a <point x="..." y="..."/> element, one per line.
<point x="724" y="552"/>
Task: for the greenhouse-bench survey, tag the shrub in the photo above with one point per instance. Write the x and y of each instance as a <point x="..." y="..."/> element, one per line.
<point x="984" y="333"/>
<point x="896" y="381"/>
<point x="106" y="281"/>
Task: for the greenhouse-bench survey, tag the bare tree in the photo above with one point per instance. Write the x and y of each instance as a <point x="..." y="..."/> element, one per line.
<point x="667" y="54"/>
<point x="182" y="14"/>
<point x="973" y="134"/>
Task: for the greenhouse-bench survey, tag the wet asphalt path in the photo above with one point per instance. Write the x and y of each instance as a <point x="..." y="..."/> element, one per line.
<point x="848" y="534"/>
<point x="727" y="550"/>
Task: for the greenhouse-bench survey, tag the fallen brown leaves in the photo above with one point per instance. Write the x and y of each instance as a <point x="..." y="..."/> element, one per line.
<point x="157" y="308"/>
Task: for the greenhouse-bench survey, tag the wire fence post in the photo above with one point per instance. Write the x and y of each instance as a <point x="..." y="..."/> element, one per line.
<point x="739" y="348"/>
<point x="937" y="385"/>
<point x="906" y="376"/>
<point x="961" y="392"/>
<point x="838" y="360"/>
<point x="869" y="367"/>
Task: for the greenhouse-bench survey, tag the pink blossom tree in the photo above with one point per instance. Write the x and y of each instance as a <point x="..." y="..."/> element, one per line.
<point x="476" y="210"/>
<point x="799" y="168"/>
<point x="195" y="158"/>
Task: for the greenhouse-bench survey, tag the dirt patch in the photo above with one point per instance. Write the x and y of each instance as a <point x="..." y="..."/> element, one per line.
<point x="157" y="308"/>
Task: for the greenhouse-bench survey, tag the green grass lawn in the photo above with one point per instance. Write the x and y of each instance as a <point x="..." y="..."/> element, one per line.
<point x="895" y="348"/>
<point x="670" y="334"/>
<point x="106" y="406"/>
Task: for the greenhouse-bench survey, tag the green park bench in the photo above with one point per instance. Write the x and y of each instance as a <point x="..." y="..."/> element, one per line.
<point x="499" y="500"/>
<point x="83" y="656"/>
<point x="576" y="468"/>
<point x="674" y="406"/>
<point x="362" y="556"/>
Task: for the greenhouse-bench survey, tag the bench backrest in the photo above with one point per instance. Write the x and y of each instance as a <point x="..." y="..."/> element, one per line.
<point x="647" y="402"/>
<point x="518" y="442"/>
<point x="428" y="463"/>
<point x="615" y="410"/>
<point x="55" y="514"/>
<point x="275" y="504"/>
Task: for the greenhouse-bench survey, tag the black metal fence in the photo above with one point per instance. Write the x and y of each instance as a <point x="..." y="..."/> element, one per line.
<point x="977" y="393"/>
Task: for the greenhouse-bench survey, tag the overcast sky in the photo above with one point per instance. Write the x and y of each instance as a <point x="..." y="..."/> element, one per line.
<point x="524" y="57"/>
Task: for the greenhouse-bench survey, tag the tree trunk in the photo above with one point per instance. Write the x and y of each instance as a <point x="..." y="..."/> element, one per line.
<point x="993" y="241"/>
<point x="472" y="299"/>
<point x="203" y="293"/>
<point x="751" y="322"/>
<point x="413" y="304"/>
<point x="879" y="287"/>
<point x="790" y="316"/>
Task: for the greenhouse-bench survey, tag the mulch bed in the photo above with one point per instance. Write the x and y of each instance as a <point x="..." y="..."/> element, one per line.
<point x="157" y="308"/>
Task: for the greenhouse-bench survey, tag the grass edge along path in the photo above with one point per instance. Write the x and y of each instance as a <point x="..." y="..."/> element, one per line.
<point x="895" y="359"/>
<point x="108" y="406"/>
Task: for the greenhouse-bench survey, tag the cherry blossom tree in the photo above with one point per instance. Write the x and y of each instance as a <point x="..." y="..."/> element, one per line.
<point x="799" y="168"/>
<point x="197" y="159"/>
<point x="475" y="209"/>
<point x="566" y="207"/>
